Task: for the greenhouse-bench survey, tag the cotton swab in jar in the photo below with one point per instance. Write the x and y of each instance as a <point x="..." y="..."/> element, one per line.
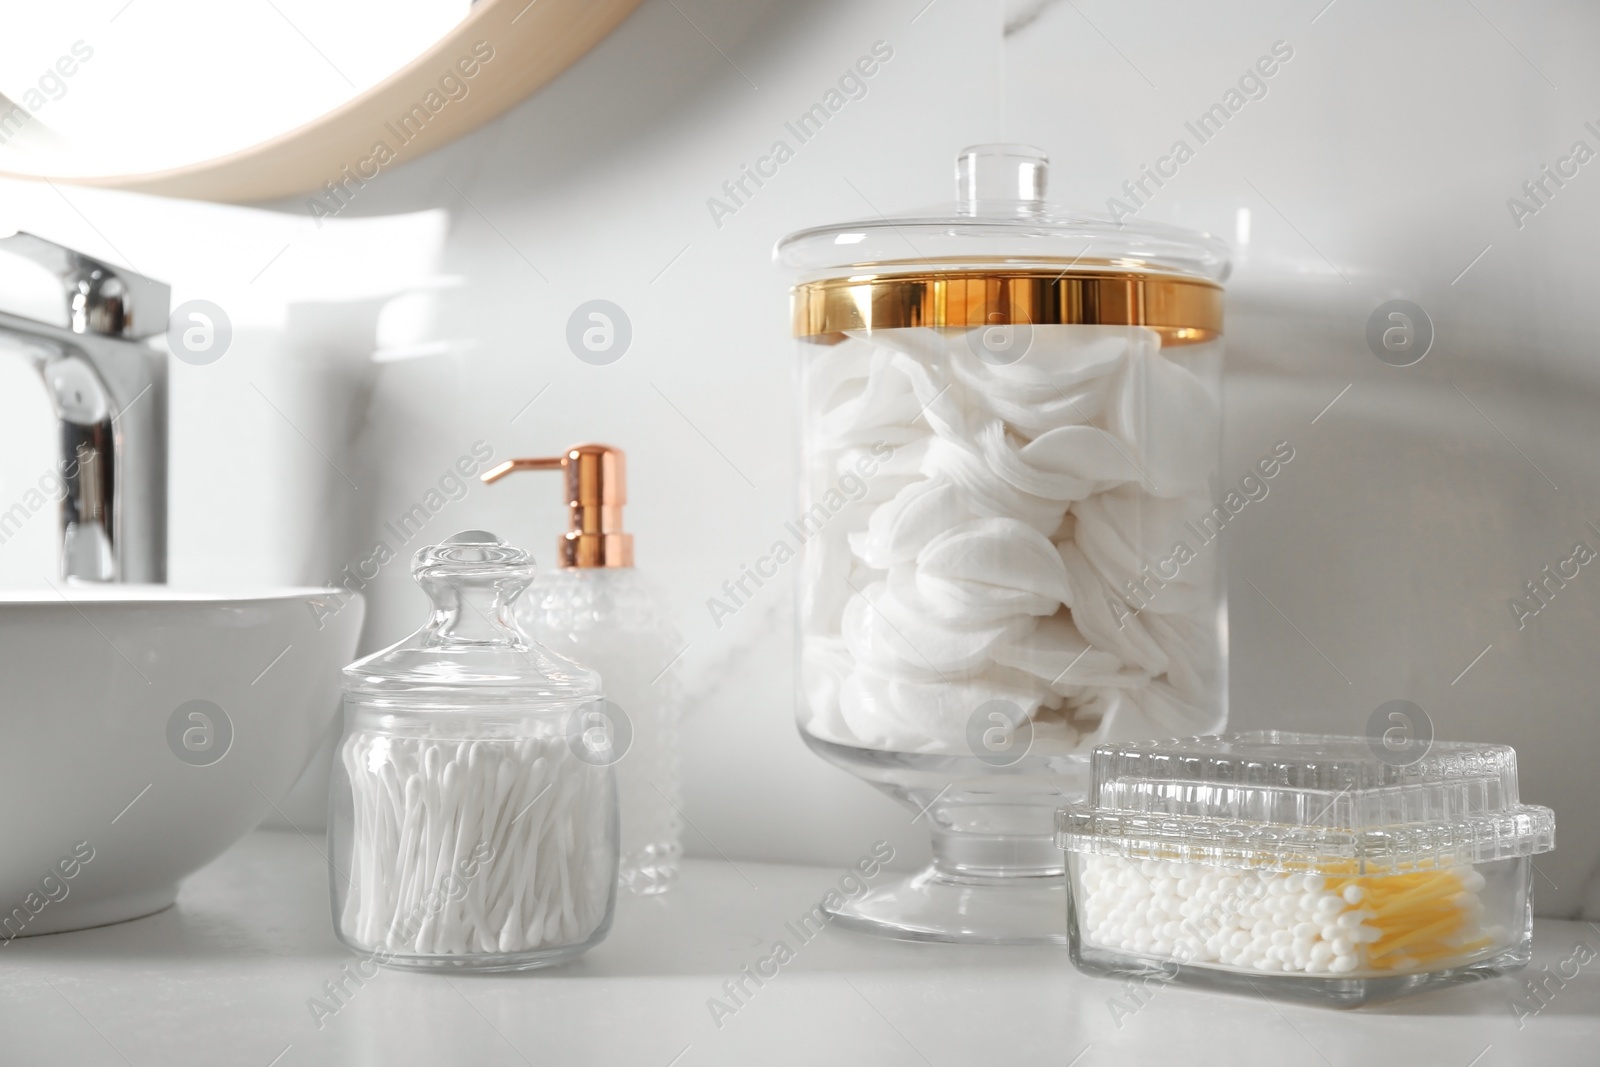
<point x="514" y="812"/>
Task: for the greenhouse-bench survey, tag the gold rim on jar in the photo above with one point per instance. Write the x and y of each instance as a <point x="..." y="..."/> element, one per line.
<point x="1183" y="310"/>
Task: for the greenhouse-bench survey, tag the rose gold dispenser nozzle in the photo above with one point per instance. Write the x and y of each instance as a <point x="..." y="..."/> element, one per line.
<point x="597" y="488"/>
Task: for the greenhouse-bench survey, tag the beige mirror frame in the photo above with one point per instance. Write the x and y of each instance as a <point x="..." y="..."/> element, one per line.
<point x="493" y="59"/>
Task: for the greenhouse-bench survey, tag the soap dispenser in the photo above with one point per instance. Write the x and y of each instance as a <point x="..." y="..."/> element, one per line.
<point x="596" y="609"/>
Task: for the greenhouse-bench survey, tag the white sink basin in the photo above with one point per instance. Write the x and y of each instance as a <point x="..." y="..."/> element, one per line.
<point x="144" y="729"/>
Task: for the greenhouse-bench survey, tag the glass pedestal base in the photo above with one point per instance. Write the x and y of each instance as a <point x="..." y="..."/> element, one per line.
<point x="933" y="906"/>
<point x="997" y="876"/>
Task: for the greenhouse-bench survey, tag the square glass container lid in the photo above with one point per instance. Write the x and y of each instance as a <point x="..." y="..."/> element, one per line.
<point x="1000" y="220"/>
<point x="1269" y="800"/>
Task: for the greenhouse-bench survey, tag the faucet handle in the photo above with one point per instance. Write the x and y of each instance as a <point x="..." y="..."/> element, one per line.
<point x="96" y="297"/>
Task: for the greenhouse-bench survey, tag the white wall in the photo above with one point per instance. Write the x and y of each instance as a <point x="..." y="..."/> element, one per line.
<point x="1377" y="166"/>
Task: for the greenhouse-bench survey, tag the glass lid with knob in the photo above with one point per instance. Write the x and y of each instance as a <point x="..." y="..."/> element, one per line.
<point x="1000" y="256"/>
<point x="1000" y="217"/>
<point x="471" y="650"/>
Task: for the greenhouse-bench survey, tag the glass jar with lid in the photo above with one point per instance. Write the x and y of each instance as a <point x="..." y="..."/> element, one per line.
<point x="1010" y="428"/>
<point x="473" y="815"/>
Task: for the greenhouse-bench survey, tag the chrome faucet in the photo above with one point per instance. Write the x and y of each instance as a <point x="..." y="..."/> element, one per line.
<point x="85" y="325"/>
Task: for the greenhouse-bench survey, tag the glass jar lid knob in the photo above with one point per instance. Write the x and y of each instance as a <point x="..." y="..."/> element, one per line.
<point x="1006" y="180"/>
<point x="472" y="578"/>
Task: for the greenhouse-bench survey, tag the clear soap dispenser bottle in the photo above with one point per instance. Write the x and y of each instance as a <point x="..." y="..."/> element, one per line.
<point x="597" y="609"/>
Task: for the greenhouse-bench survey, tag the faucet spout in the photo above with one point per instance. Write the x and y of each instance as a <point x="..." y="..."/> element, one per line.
<point x="86" y="328"/>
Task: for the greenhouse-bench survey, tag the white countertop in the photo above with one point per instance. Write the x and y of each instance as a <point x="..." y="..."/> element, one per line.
<point x="225" y="977"/>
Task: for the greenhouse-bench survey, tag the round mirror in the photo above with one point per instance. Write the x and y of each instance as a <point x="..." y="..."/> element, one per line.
<point x="216" y="102"/>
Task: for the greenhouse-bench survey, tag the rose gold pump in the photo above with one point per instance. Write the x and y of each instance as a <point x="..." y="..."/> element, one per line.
<point x="597" y="488"/>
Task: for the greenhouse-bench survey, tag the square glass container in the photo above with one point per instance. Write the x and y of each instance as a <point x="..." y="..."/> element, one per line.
<point x="1302" y="866"/>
